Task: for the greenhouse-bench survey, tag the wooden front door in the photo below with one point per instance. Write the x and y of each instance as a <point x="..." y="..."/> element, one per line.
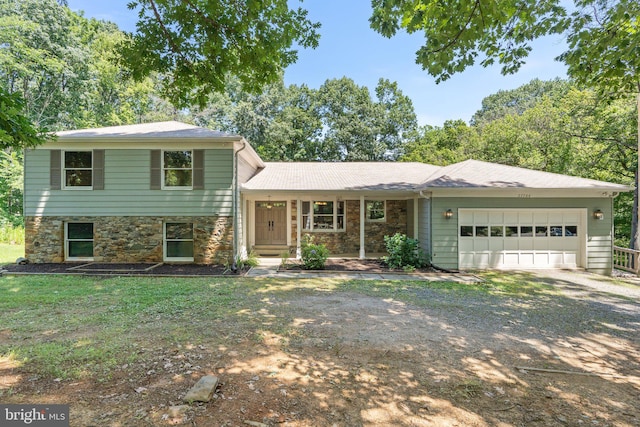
<point x="271" y="223"/>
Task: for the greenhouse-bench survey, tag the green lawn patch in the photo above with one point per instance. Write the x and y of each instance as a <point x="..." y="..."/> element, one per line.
<point x="10" y="253"/>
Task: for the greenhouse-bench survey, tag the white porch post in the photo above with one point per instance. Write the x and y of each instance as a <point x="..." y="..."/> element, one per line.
<point x="362" y="216"/>
<point x="298" y="228"/>
<point x="416" y="222"/>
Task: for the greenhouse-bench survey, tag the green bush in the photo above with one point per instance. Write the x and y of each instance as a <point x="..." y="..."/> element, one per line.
<point x="314" y="256"/>
<point x="404" y="253"/>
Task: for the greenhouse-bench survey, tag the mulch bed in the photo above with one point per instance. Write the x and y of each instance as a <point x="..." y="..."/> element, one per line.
<point x="353" y="264"/>
<point x="150" y="269"/>
<point x="122" y="269"/>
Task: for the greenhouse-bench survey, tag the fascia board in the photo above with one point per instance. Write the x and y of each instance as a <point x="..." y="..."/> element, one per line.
<point x="525" y="193"/>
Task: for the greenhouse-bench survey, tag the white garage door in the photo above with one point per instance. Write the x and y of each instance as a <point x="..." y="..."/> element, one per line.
<point x="533" y="238"/>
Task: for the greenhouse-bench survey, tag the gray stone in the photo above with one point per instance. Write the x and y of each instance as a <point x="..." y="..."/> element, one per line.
<point x="202" y="390"/>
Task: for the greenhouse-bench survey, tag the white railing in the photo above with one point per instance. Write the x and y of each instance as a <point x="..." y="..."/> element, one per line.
<point x="626" y="259"/>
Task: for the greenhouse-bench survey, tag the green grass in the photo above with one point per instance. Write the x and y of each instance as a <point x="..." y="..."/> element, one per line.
<point x="10" y="253"/>
<point x="72" y="327"/>
<point x="12" y="234"/>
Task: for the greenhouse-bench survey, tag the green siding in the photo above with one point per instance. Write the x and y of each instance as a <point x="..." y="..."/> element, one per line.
<point x="445" y="232"/>
<point x="127" y="188"/>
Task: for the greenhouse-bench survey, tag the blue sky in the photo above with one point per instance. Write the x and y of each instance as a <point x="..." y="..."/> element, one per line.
<point x="348" y="47"/>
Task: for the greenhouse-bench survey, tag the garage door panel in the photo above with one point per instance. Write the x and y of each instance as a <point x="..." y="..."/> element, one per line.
<point x="526" y="244"/>
<point x="540" y="217"/>
<point x="481" y="244"/>
<point x="511" y="217"/>
<point x="533" y="238"/>
<point x="541" y="258"/>
<point x="481" y="217"/>
<point x="496" y="218"/>
<point x="541" y="244"/>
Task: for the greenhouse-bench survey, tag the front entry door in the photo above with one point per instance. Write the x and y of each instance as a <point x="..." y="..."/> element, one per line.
<point x="271" y="223"/>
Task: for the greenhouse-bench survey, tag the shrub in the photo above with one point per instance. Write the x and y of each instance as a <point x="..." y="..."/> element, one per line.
<point x="314" y="256"/>
<point x="404" y="253"/>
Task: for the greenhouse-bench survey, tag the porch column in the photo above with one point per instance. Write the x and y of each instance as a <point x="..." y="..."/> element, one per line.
<point x="298" y="228"/>
<point x="416" y="222"/>
<point x="362" y="216"/>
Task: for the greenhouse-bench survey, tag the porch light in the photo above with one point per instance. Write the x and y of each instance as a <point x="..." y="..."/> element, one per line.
<point x="598" y="214"/>
<point x="448" y="214"/>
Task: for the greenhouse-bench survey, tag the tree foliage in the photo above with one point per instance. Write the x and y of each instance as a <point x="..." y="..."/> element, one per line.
<point x="458" y="32"/>
<point x="16" y="130"/>
<point x="340" y="121"/>
<point x="197" y="44"/>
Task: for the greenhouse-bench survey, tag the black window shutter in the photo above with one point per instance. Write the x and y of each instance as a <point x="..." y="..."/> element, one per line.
<point x="156" y="169"/>
<point x="198" y="169"/>
<point x="55" y="170"/>
<point x="98" y="169"/>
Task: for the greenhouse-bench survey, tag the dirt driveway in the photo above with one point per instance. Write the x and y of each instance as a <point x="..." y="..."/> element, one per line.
<point x="334" y="355"/>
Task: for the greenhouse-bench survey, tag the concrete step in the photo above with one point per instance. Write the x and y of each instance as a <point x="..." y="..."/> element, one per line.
<point x="270" y="250"/>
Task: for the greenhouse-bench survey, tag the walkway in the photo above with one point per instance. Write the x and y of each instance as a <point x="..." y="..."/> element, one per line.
<point x="268" y="267"/>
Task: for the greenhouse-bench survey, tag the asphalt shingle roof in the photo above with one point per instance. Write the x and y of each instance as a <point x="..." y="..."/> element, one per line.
<point x="314" y="176"/>
<point x="318" y="176"/>
<point x="170" y="129"/>
<point x="477" y="174"/>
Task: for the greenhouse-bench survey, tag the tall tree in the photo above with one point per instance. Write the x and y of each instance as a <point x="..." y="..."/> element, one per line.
<point x="358" y="128"/>
<point x="603" y="40"/>
<point x="197" y="44"/>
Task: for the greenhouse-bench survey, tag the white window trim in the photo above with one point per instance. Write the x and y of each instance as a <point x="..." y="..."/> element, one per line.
<point x="384" y="208"/>
<point x="63" y="174"/>
<point x="335" y="216"/>
<point x="66" y="241"/>
<point x="164" y="243"/>
<point x="164" y="169"/>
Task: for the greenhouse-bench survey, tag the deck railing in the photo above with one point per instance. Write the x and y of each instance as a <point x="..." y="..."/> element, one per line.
<point x="626" y="259"/>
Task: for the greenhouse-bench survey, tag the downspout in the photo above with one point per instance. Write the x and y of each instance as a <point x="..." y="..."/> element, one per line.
<point x="234" y="265"/>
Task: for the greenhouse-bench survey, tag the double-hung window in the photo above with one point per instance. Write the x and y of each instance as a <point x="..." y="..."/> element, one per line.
<point x="323" y="215"/>
<point x="178" y="241"/>
<point x="375" y="210"/>
<point x="78" y="241"/>
<point x="177" y="169"/>
<point x="77" y="170"/>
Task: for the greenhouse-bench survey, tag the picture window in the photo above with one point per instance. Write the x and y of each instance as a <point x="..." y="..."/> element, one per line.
<point x="323" y="215"/>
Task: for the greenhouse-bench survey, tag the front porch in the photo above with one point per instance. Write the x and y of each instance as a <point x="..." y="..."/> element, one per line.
<point x="276" y="225"/>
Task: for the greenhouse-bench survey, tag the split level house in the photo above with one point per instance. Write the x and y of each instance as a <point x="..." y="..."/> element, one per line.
<point x="173" y="192"/>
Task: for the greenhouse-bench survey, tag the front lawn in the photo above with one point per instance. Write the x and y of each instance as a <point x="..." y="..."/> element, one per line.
<point x="314" y="352"/>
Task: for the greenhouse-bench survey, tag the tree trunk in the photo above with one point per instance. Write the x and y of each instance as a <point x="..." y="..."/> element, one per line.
<point x="635" y="235"/>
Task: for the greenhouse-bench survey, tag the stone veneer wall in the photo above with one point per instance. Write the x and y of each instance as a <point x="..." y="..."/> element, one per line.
<point x="348" y="241"/>
<point x="129" y="239"/>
